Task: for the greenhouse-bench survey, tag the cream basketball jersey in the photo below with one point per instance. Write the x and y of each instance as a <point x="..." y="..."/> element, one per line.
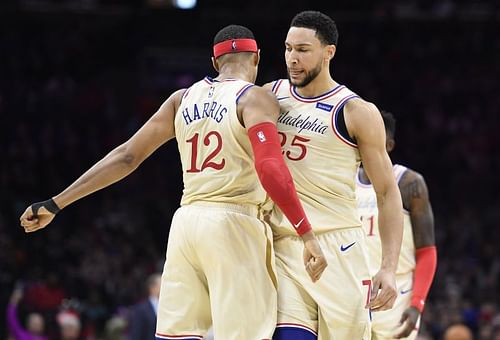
<point x="322" y="161"/>
<point x="216" y="154"/>
<point x="368" y="211"/>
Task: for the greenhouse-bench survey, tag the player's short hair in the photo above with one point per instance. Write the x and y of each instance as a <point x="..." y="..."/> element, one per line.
<point x="390" y="123"/>
<point x="233" y="32"/>
<point x="325" y="27"/>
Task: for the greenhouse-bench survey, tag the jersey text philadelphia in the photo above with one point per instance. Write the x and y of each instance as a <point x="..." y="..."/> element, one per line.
<point x="302" y="123"/>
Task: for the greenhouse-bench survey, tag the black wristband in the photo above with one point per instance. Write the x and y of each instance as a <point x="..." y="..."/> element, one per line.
<point x="50" y="205"/>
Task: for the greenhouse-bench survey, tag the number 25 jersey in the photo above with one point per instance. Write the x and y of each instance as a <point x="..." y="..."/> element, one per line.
<point x="323" y="162"/>
<point x="216" y="153"/>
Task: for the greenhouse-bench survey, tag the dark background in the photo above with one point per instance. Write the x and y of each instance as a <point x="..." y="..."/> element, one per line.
<point x="77" y="78"/>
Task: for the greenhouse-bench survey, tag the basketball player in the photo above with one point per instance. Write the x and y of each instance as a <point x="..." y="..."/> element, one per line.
<point x="417" y="262"/>
<point x="219" y="265"/>
<point x="326" y="129"/>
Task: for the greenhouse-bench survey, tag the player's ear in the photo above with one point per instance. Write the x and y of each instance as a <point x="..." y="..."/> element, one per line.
<point x="330" y="52"/>
<point x="215" y="64"/>
<point x="257" y="58"/>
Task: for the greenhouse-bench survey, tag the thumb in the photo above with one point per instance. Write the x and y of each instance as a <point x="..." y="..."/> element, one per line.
<point x="307" y="256"/>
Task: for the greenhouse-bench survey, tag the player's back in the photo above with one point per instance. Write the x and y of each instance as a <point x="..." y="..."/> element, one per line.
<point x="216" y="154"/>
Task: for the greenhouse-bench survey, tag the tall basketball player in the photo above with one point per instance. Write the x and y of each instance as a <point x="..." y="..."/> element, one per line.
<point x="219" y="266"/>
<point x="417" y="262"/>
<point x="326" y="130"/>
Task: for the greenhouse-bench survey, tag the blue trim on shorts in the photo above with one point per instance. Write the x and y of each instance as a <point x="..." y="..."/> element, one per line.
<point x="293" y="333"/>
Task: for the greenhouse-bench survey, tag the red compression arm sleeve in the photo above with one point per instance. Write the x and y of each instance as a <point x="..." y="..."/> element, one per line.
<point x="426" y="262"/>
<point x="275" y="176"/>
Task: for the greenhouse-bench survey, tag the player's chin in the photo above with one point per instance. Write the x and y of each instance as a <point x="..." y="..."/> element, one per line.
<point x="296" y="80"/>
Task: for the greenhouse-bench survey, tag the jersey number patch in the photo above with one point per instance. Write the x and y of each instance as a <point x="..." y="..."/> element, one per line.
<point x="370" y="221"/>
<point x="213" y="137"/>
<point x="298" y="145"/>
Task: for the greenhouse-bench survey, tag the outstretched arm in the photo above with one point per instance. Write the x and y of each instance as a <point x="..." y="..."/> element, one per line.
<point x="13" y="323"/>
<point x="119" y="163"/>
<point x="416" y="200"/>
<point x="365" y="124"/>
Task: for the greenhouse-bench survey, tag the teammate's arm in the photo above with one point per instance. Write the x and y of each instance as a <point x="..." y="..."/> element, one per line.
<point x="366" y="126"/>
<point x="259" y="110"/>
<point x="119" y="163"/>
<point x="416" y="200"/>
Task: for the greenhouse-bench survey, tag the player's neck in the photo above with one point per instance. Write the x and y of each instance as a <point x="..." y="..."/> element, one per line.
<point x="363" y="177"/>
<point x="234" y="72"/>
<point x="320" y="85"/>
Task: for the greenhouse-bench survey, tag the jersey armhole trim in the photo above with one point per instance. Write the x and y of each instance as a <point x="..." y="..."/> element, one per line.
<point x="242" y="91"/>
<point x="338" y="122"/>
<point x="276" y="86"/>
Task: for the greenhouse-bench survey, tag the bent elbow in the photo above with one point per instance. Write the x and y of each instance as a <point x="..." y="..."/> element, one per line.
<point x="128" y="159"/>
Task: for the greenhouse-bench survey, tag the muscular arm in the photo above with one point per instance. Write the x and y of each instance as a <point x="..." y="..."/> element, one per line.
<point x="124" y="159"/>
<point x="259" y="112"/>
<point x="416" y="200"/>
<point x="364" y="123"/>
<point x="119" y="163"/>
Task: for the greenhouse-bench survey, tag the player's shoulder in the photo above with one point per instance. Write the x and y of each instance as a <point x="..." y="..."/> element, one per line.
<point x="274" y="85"/>
<point x="257" y="94"/>
<point x="362" y="118"/>
<point x="176" y="97"/>
<point x="360" y="107"/>
<point x="410" y="176"/>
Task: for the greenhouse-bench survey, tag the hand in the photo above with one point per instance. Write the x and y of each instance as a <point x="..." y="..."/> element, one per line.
<point x="385" y="281"/>
<point x="408" y="321"/>
<point x="17" y="295"/>
<point x="314" y="260"/>
<point x="32" y="222"/>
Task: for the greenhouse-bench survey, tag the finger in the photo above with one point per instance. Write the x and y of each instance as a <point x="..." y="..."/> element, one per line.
<point x="382" y="301"/>
<point x="307" y="257"/>
<point x="319" y="267"/>
<point x="27" y="214"/>
<point x="405" y="331"/>
<point x="375" y="288"/>
<point x="29" y="223"/>
<point x="316" y="267"/>
<point x="310" y="272"/>
<point x="33" y="228"/>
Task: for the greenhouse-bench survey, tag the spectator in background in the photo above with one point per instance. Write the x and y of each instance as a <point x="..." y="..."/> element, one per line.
<point x="69" y="324"/>
<point x="458" y="332"/>
<point x="35" y="324"/>
<point x="143" y="317"/>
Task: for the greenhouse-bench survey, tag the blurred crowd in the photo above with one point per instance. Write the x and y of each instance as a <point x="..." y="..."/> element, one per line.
<point x="72" y="88"/>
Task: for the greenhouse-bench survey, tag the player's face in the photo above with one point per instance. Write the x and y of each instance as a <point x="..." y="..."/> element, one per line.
<point x="304" y="55"/>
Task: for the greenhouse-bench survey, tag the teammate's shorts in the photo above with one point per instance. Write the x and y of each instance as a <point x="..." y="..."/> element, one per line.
<point x="385" y="324"/>
<point x="334" y="306"/>
<point x="219" y="270"/>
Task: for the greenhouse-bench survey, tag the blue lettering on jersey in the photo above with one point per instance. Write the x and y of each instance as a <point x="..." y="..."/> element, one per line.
<point x="211" y="110"/>
<point x="323" y="106"/>
<point x="303" y="123"/>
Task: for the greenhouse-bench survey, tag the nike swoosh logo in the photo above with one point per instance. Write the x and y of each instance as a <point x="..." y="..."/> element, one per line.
<point x="342" y="248"/>
<point x="281" y="98"/>
<point x="405" y="291"/>
<point x="298" y="224"/>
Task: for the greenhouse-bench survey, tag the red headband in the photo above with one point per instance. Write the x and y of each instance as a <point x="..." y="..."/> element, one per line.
<point x="235" y="46"/>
